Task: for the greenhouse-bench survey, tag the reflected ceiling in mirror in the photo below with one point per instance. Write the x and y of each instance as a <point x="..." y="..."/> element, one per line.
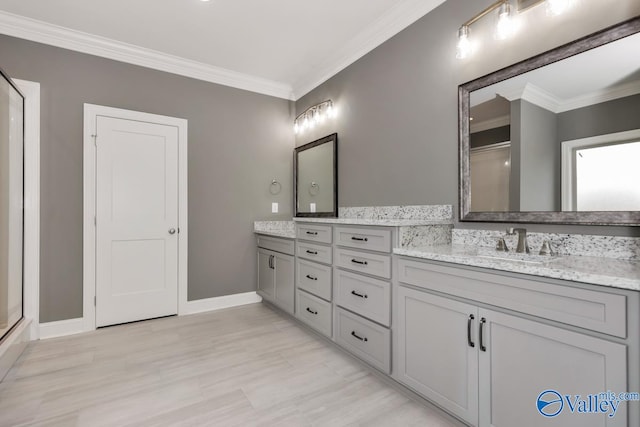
<point x="556" y="138"/>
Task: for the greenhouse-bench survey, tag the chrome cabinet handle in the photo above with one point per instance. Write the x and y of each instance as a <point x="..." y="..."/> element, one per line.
<point x="311" y="311"/>
<point x="359" y="239"/>
<point x="482" y="322"/>
<point x="363" y="339"/>
<point x="359" y="295"/>
<point x="355" y="261"/>
<point x="471" y="343"/>
<point x="172" y="231"/>
<point x="271" y="262"/>
<point x="310" y="277"/>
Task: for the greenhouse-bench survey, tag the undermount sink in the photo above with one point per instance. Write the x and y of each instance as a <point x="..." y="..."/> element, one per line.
<point x="518" y="257"/>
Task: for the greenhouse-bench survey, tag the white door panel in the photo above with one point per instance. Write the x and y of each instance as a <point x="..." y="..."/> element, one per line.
<point x="136" y="207"/>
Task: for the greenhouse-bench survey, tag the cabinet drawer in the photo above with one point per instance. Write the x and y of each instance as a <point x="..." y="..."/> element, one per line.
<point x="594" y="310"/>
<point x="366" y="296"/>
<point x="286" y="246"/>
<point x="363" y="238"/>
<point x="314" y="278"/>
<point x="365" y="339"/>
<point x="314" y="252"/>
<point x="374" y="264"/>
<point x="314" y="233"/>
<point x="314" y="312"/>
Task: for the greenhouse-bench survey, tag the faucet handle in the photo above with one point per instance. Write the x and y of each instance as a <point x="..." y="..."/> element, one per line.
<point x="511" y="231"/>
<point x="502" y="245"/>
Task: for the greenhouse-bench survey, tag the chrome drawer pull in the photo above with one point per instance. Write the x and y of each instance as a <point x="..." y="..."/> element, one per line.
<point x="311" y="277"/>
<point x="359" y="295"/>
<point x="353" y="333"/>
<point x="311" y="311"/>
<point x="355" y="261"/>
<point x="312" y="252"/>
<point x="471" y="343"/>
<point x="359" y="239"/>
<point x="312" y="233"/>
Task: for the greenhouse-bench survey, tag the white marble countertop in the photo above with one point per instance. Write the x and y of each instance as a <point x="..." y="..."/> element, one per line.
<point x="383" y="222"/>
<point x="617" y="273"/>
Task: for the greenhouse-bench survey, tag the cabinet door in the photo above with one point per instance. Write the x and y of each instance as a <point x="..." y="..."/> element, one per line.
<point x="435" y="356"/>
<point x="523" y="358"/>
<point x="284" y="279"/>
<point x="266" y="284"/>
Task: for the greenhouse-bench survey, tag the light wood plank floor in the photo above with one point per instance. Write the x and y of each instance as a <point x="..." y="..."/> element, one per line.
<point x="245" y="366"/>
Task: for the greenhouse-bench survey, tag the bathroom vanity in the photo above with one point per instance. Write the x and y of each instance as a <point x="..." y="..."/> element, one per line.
<point x="478" y="333"/>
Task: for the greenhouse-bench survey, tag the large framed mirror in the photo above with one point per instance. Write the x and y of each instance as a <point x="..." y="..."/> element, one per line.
<point x="315" y="175"/>
<point x="556" y="138"/>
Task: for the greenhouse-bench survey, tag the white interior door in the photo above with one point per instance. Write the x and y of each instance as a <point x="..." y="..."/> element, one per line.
<point x="136" y="220"/>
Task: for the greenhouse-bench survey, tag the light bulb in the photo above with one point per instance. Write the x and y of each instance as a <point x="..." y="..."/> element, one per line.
<point x="305" y="123"/>
<point x="330" y="111"/>
<point x="296" y="128"/>
<point x="557" y="7"/>
<point x="505" y="26"/>
<point x="316" y="117"/>
<point x="463" y="48"/>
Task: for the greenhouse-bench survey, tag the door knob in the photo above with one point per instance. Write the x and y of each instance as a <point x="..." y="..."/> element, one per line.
<point x="172" y="231"/>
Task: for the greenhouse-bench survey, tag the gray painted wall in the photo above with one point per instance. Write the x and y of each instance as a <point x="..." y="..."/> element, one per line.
<point x="397" y="105"/>
<point x="613" y="116"/>
<point x="539" y="162"/>
<point x="238" y="142"/>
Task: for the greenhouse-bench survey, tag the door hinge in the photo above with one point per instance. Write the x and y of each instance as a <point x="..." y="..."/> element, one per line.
<point x="95" y="220"/>
<point x="95" y="299"/>
<point x="95" y="139"/>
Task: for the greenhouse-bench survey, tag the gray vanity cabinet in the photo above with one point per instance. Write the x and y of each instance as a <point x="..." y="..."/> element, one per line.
<point x="488" y="367"/>
<point x="276" y="272"/>
<point x="434" y="357"/>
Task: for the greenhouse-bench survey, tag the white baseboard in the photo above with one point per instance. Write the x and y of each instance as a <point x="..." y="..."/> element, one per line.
<point x="217" y="303"/>
<point x="61" y="328"/>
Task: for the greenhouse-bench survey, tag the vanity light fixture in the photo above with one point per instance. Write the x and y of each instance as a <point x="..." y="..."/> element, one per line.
<point x="505" y="26"/>
<point x="313" y="115"/>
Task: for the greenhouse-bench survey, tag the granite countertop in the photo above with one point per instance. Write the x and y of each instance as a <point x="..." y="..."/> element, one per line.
<point x="617" y="273"/>
<point x="382" y="222"/>
<point x="285" y="229"/>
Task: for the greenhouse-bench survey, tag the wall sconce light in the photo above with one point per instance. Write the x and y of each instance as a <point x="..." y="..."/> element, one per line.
<point x="313" y="115"/>
<point x="505" y="26"/>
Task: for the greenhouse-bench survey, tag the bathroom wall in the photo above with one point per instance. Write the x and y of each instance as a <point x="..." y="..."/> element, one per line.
<point x="397" y="106"/>
<point x="238" y="142"/>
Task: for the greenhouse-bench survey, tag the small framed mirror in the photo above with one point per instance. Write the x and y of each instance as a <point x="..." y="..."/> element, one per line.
<point x="556" y="138"/>
<point x="315" y="174"/>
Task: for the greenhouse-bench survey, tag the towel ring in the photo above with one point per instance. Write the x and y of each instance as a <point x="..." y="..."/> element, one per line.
<point x="314" y="188"/>
<point x="275" y="187"/>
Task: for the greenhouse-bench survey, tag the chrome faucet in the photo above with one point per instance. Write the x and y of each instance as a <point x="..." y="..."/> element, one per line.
<point x="523" y="246"/>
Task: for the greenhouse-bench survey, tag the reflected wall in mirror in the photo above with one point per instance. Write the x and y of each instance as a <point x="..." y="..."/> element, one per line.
<point x="316" y="178"/>
<point x="556" y="138"/>
<point x="11" y="195"/>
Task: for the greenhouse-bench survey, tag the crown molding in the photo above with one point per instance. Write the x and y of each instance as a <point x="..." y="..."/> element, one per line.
<point x="620" y="91"/>
<point x="54" y="35"/>
<point x="534" y="95"/>
<point x="387" y="26"/>
<point x="490" y="124"/>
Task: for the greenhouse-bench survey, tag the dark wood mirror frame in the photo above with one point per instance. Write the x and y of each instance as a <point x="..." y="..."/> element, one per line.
<point x="600" y="38"/>
<point x="329" y="139"/>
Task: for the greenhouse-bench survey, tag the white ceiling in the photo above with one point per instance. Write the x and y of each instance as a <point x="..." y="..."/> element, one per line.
<point x="279" y="47"/>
